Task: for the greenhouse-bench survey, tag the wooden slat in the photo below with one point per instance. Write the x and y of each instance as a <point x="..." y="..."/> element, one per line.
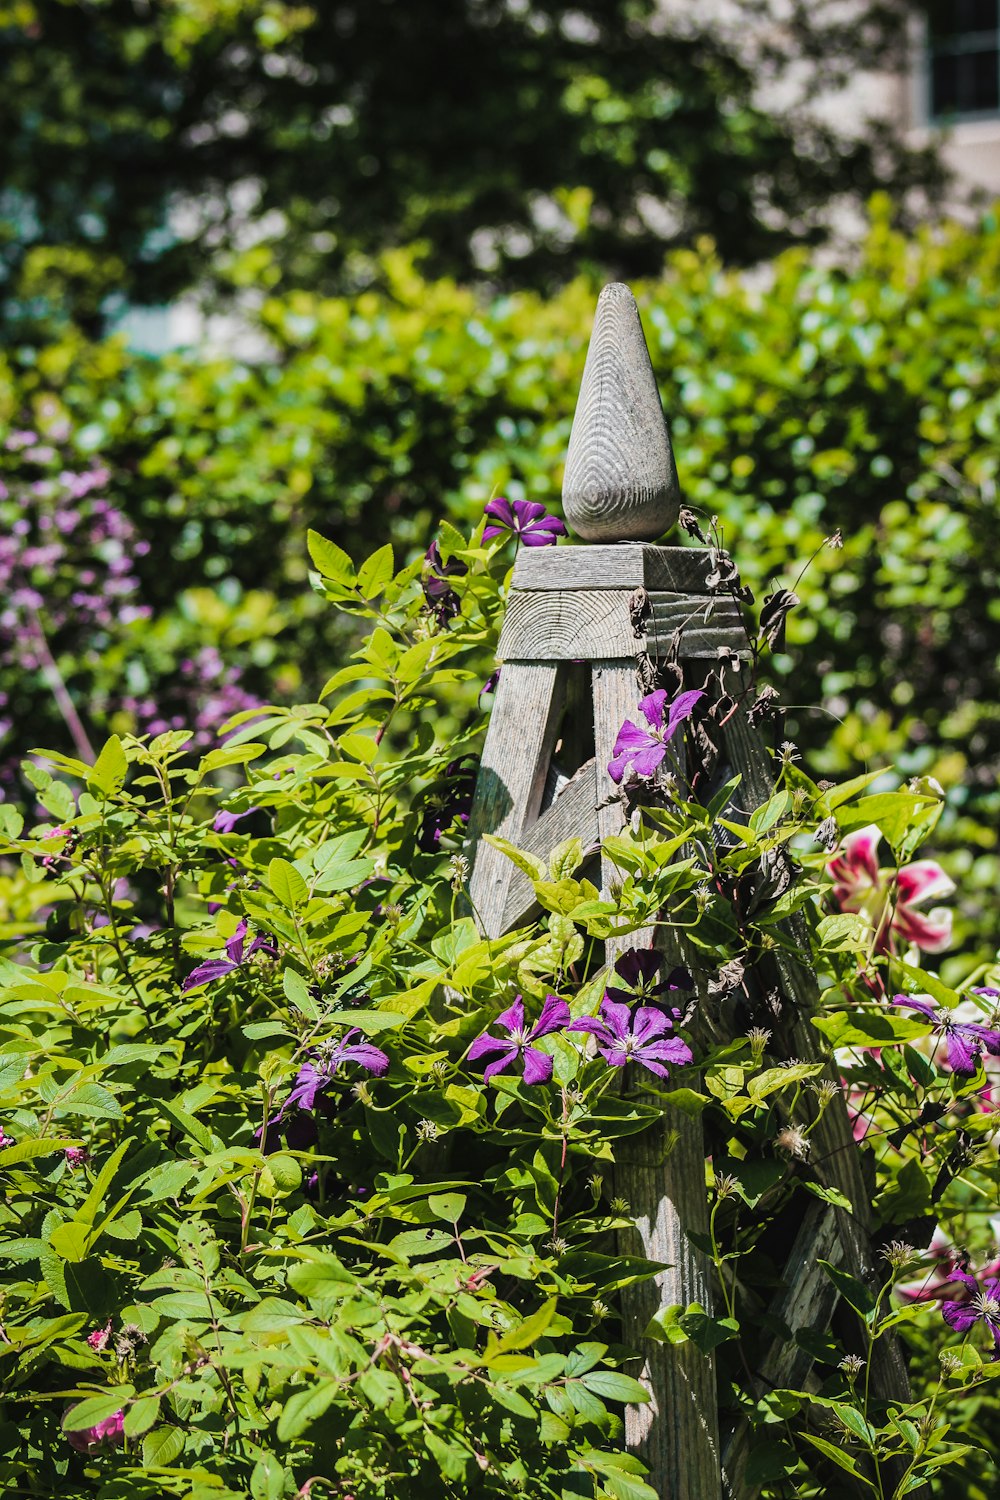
<point x="622" y="565"/>
<point x="620" y="481"/>
<point x="515" y="762"/>
<point x="566" y="627"/>
<point x="579" y="626"/>
<point x="661" y="1174"/>
<point x="573" y="815"/>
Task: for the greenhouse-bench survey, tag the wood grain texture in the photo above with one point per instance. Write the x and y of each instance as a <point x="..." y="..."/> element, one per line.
<point x="581" y="626"/>
<point x="661" y="1174"/>
<point x="511" y="780"/>
<point x="620" y="481"/>
<point x="624" y="565"/>
<point x="573" y="815"/>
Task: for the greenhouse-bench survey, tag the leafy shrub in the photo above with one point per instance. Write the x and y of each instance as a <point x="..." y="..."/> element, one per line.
<point x="267" y="1226"/>
<point x="860" y="397"/>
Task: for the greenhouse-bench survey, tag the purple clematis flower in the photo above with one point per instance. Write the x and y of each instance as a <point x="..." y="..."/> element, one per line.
<point x="237" y="954"/>
<point x="966" y="1040"/>
<point x="517" y="1044"/>
<point x="439" y="596"/>
<point x="639" y="750"/>
<point x="625" y="1036"/>
<point x="529" y="521"/>
<point x="639" y="972"/>
<point x="225" y="822"/>
<point x="316" y="1074"/>
<point x="982" y="1307"/>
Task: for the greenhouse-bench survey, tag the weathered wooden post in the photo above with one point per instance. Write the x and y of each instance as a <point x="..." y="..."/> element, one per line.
<point x="583" y="624"/>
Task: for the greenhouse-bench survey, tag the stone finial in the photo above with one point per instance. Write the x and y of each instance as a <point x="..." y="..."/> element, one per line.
<point x="620" y="483"/>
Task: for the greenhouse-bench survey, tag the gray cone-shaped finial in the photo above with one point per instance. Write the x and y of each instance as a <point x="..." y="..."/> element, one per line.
<point x="620" y="483"/>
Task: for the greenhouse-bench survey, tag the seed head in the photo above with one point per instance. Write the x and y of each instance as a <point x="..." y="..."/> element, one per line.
<point x="852" y="1365"/>
<point x="758" y="1037"/>
<point x="898" y="1254"/>
<point x="793" y="1140"/>
<point x="427" y="1130"/>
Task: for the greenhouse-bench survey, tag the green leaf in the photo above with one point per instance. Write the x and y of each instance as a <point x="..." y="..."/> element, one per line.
<point x="528" y="864"/>
<point x="295" y="988"/>
<point x="162" y="1447"/>
<point x="330" y="560"/>
<point x="833" y="1196"/>
<point x="613" y="1386"/>
<point x="447" y="1206"/>
<point x="852" y="1290"/>
<point x="374" y="574"/>
<point x="306" y="1407"/>
<point x="287" y="884"/>
<point x="452" y="1460"/>
<point x="565" y="858"/>
<point x="229" y="755"/>
<point x="528" y="1332"/>
<point x="110" y="769"/>
<point x="12" y="1156"/>
<point x="94" y="1409"/>
<point x="267" y="1481"/>
<point x="838" y="1456"/>
<point x="71" y="1241"/>
<point x="141" y="1415"/>
<point x="870" y="1028"/>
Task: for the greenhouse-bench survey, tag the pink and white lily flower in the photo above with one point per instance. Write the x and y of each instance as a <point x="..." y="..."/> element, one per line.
<point x="890" y="898"/>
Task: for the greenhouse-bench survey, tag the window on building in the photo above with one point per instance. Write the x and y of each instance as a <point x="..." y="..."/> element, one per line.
<point x="964" y="61"/>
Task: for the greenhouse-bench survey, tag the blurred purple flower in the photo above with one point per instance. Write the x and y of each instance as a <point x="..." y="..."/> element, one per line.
<point x="624" y="1036"/>
<point x="225" y="822"/>
<point x="966" y="1041"/>
<point x="982" y="1307"/>
<point x="76" y="1156"/>
<point x="5" y="1139"/>
<point x="489" y="686"/>
<point x="639" y="750"/>
<point x="516" y="1046"/>
<point x="529" y="522"/>
<point x="237" y="955"/>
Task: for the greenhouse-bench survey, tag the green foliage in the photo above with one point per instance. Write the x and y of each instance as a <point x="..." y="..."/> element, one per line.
<point x="216" y="1282"/>
<point x="860" y="399"/>
<point x="514" y="141"/>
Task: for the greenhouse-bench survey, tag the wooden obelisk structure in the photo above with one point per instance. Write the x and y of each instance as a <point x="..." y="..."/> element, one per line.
<point x="583" y="624"/>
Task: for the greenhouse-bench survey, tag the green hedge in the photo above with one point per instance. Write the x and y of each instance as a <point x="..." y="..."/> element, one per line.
<point x="864" y="399"/>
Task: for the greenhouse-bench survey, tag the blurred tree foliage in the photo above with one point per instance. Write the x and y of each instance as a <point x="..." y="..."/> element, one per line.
<point x="518" y="139"/>
<point x="863" y="398"/>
